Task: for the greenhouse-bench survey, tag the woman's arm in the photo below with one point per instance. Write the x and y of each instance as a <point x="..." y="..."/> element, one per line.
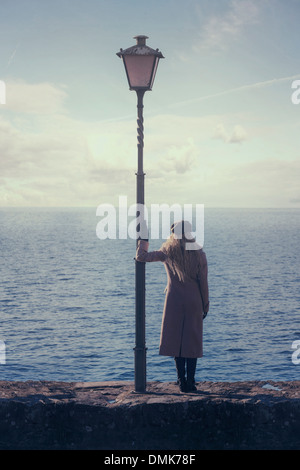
<point x="143" y="255"/>
<point x="203" y="283"/>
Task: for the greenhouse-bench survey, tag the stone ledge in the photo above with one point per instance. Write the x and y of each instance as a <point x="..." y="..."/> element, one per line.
<point x="110" y="415"/>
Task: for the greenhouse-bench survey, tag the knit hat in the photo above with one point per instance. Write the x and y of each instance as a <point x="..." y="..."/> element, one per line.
<point x="182" y="228"/>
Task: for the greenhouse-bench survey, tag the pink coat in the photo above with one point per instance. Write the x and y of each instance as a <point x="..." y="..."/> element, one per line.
<point x="182" y="322"/>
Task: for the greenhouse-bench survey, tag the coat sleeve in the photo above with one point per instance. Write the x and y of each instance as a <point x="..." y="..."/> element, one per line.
<point x="143" y="255"/>
<point x="203" y="283"/>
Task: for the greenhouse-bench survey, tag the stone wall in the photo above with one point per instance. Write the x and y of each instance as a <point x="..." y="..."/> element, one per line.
<point x="111" y="416"/>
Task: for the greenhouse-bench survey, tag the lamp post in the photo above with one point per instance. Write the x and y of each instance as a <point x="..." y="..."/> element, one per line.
<point x="140" y="63"/>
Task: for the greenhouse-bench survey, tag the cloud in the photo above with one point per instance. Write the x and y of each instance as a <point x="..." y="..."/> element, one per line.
<point x="50" y="159"/>
<point x="219" y="30"/>
<point x="220" y="133"/>
<point x="237" y="136"/>
<point x="35" y="98"/>
<point x="180" y="158"/>
<point x="54" y="160"/>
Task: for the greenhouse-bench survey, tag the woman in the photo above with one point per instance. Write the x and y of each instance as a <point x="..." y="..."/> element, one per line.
<point x="186" y="303"/>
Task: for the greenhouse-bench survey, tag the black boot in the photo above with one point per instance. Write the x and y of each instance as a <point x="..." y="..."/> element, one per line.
<point x="180" y="367"/>
<point x="191" y="369"/>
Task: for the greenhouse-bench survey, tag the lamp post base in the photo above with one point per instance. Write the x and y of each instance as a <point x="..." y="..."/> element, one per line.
<point x="140" y="370"/>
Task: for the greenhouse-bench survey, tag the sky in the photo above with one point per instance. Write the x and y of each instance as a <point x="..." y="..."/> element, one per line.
<point x="220" y="125"/>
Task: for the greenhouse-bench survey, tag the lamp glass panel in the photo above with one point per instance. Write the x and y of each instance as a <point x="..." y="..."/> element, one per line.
<point x="154" y="71"/>
<point x="139" y="70"/>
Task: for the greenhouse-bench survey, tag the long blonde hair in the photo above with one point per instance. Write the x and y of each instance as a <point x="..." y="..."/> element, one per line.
<point x="183" y="262"/>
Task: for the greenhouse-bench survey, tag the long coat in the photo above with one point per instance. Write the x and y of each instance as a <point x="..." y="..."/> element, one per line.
<point x="182" y="321"/>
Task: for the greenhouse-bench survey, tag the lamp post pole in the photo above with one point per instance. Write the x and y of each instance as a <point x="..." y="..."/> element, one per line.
<point x="140" y="63"/>
<point x="140" y="312"/>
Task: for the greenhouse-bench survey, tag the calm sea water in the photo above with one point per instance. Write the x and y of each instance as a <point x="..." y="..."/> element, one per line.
<point x="68" y="303"/>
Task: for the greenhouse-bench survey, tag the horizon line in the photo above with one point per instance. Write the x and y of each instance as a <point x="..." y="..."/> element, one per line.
<point x="120" y="206"/>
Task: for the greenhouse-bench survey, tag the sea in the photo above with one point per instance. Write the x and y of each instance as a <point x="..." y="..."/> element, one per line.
<point x="67" y="298"/>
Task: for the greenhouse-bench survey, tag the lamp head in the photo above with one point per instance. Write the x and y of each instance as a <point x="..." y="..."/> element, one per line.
<point x="140" y="63"/>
